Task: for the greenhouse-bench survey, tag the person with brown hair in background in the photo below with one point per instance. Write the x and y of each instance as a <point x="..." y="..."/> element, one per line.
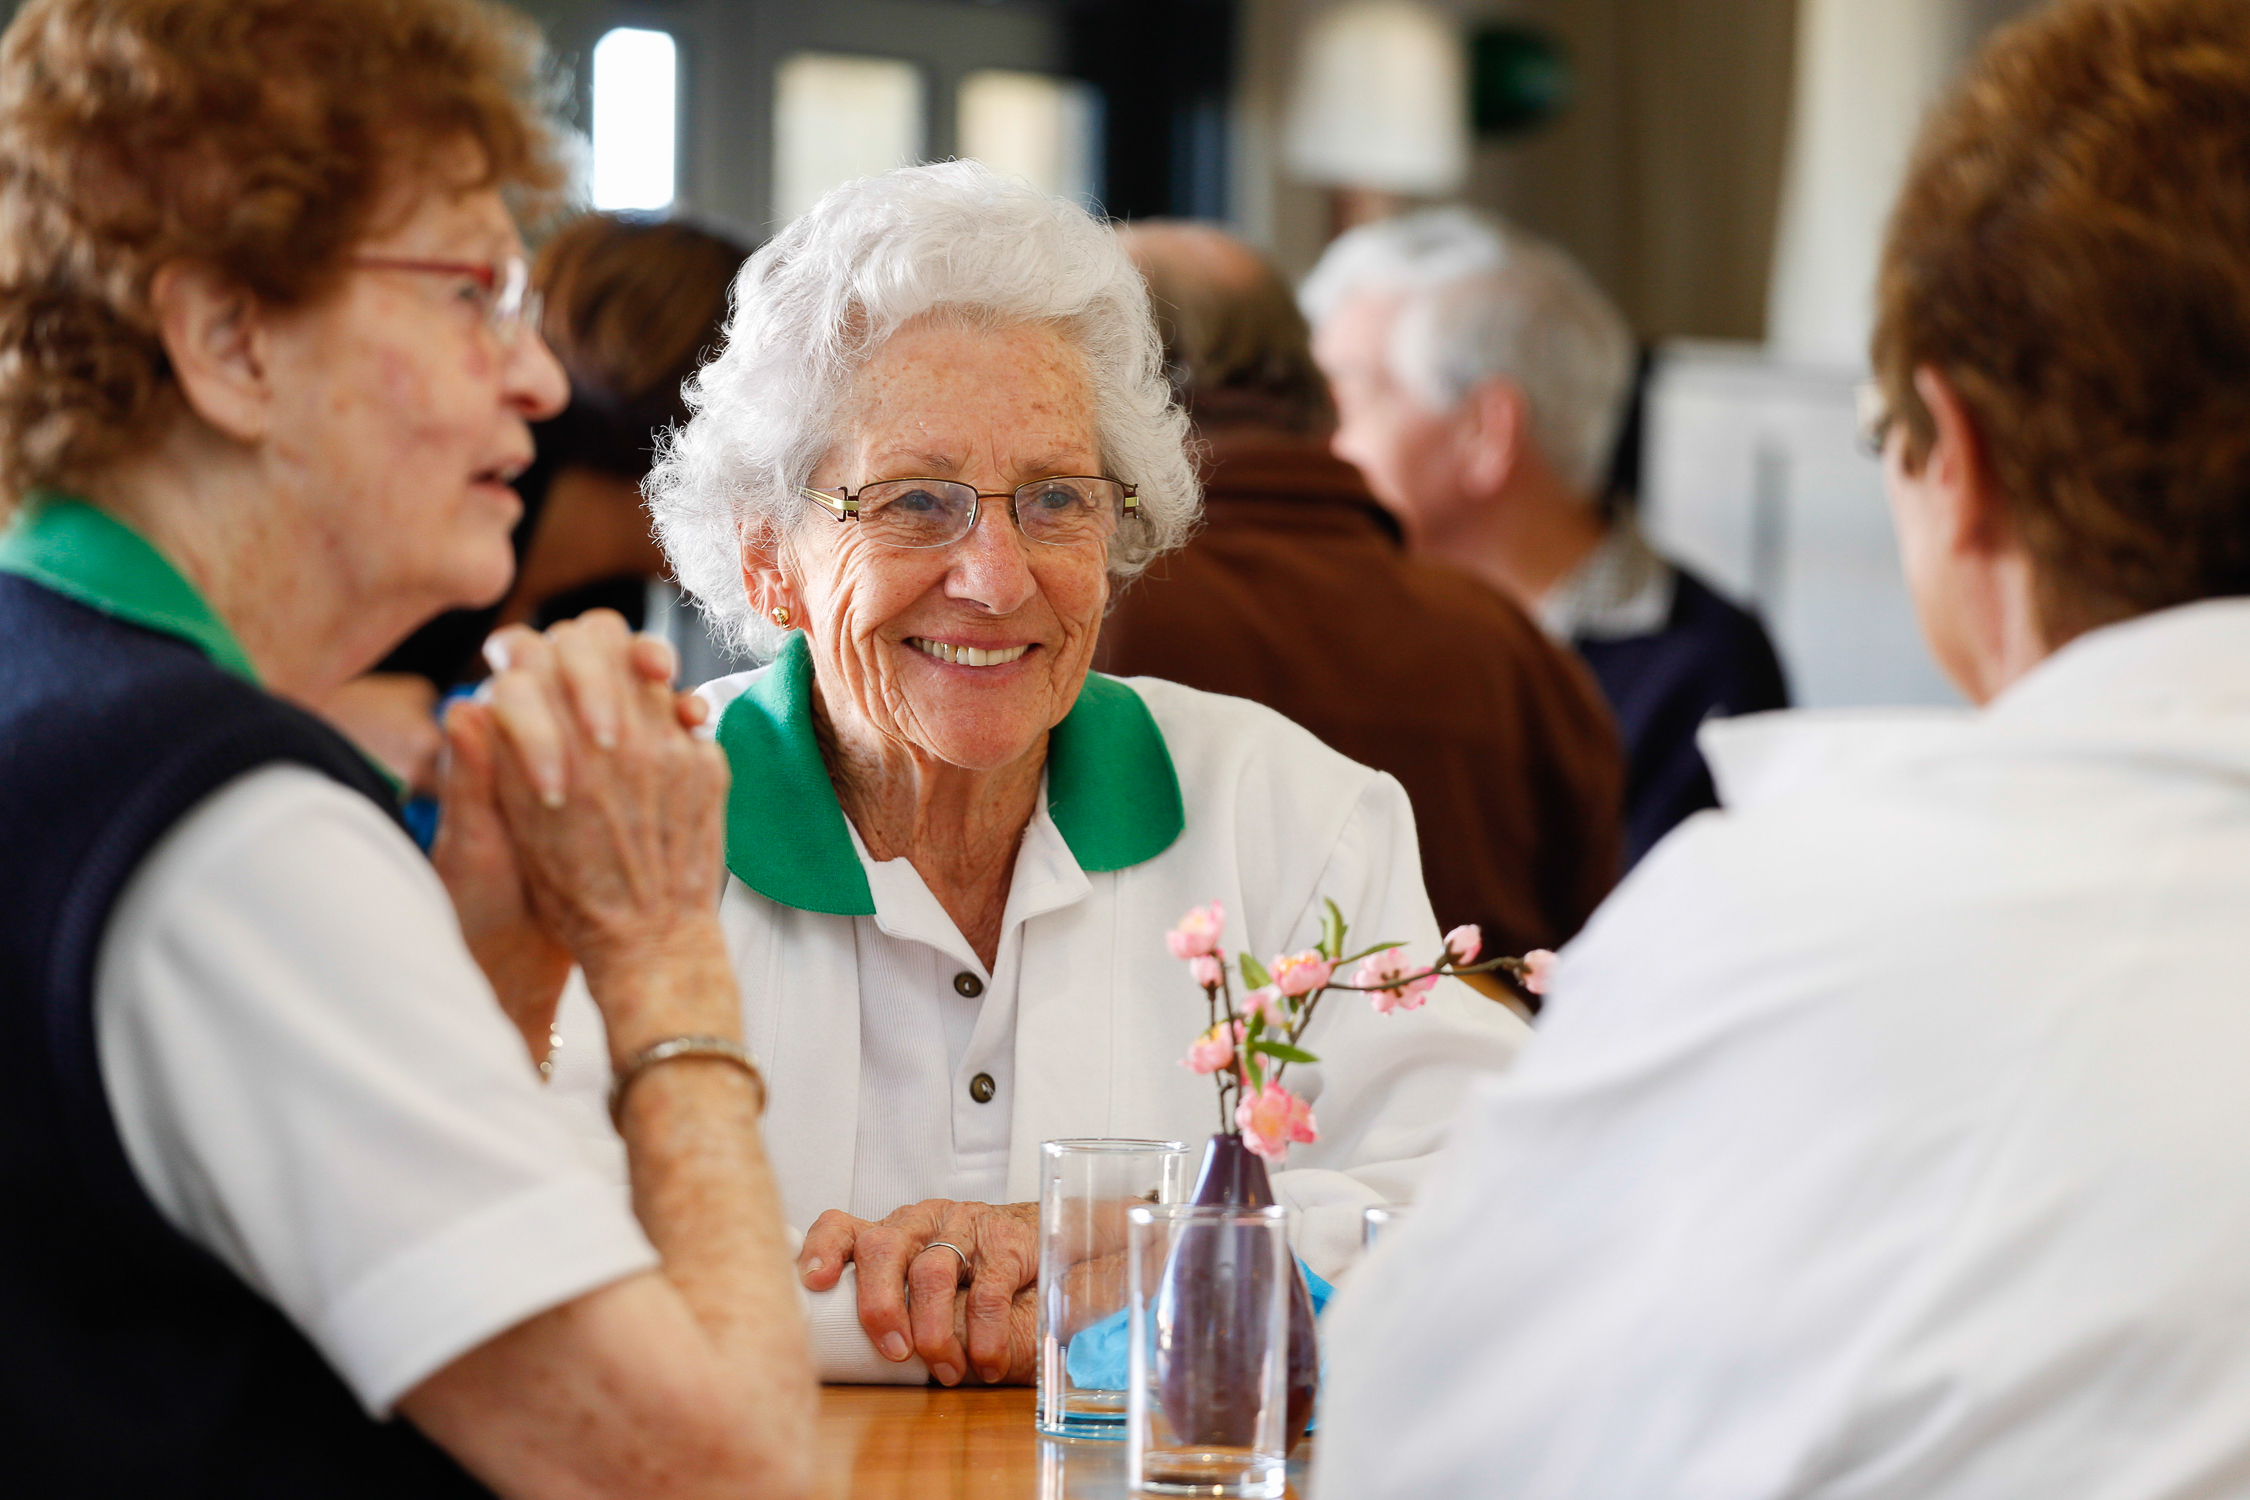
<point x="1885" y="1136"/>
<point x="631" y="307"/>
<point x="1299" y="595"/>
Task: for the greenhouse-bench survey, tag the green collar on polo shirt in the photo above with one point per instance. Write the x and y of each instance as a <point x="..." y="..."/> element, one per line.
<point x="89" y="555"/>
<point x="1111" y="789"/>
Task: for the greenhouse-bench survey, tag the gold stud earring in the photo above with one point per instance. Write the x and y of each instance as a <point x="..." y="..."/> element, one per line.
<point x="781" y="615"/>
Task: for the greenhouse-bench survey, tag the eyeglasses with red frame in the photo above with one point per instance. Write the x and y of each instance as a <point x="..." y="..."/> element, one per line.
<point x="500" y="291"/>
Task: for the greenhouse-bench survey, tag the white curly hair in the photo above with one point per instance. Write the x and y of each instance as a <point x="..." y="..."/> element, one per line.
<point x="813" y="306"/>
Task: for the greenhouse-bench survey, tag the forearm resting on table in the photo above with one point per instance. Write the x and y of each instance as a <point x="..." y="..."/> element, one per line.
<point x="692" y="1380"/>
<point x="618" y="1393"/>
<point x="702" y="1186"/>
<point x="705" y="1195"/>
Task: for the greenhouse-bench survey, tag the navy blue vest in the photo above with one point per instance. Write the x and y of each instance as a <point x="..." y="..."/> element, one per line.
<point x="132" y="1362"/>
<point x="1711" y="659"/>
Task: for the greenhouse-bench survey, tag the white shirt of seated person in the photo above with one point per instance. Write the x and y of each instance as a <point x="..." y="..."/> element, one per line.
<point x="1883" y="1135"/>
<point x="1275" y="820"/>
<point x="314" y="1082"/>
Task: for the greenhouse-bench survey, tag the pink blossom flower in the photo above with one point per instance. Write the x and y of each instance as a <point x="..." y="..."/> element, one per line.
<point x="1214" y="1049"/>
<point x="1300" y="973"/>
<point x="1268" y="1001"/>
<point x="1273" y="1117"/>
<point x="1464" y="943"/>
<point x="1198" y="932"/>
<point x="1405" y="984"/>
<point x="1207" y="969"/>
<point x="1540" y="966"/>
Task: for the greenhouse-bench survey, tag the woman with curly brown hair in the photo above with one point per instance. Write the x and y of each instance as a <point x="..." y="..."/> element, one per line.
<point x="278" y="1166"/>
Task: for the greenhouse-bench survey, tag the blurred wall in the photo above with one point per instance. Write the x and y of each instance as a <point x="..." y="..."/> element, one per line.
<point x="1866" y="72"/>
<point x="1663" y="175"/>
<point x="1751" y="472"/>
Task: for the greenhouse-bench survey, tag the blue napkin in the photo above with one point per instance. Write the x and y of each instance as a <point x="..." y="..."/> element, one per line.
<point x="1099" y="1356"/>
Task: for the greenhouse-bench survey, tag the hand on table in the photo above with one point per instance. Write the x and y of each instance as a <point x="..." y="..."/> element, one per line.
<point x="1020" y="1365"/>
<point x="916" y="1299"/>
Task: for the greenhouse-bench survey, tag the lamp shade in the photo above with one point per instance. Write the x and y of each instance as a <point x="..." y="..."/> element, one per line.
<point x="1381" y="100"/>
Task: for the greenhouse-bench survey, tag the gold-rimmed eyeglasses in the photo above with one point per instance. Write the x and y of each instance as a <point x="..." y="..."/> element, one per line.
<point x="499" y="291"/>
<point x="1065" y="510"/>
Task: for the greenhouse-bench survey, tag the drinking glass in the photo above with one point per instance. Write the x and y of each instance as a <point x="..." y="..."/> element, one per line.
<point x="1377" y="1221"/>
<point x="1085" y="1187"/>
<point x="1209" y="1329"/>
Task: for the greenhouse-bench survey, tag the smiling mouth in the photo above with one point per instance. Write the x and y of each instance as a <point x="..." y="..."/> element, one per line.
<point x="967" y="656"/>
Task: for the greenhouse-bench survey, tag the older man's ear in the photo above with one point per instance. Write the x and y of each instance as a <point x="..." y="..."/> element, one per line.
<point x="1489" y="431"/>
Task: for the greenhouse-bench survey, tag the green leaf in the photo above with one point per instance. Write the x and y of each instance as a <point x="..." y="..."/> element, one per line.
<point x="1365" y="953"/>
<point x="1332" y="940"/>
<point x="1254" y="973"/>
<point x="1257" y="1077"/>
<point x="1283" y="1052"/>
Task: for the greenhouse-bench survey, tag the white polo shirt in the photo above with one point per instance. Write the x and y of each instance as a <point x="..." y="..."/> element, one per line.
<point x="314" y="1081"/>
<point x="938" y="1029"/>
<point x="1887" y="1135"/>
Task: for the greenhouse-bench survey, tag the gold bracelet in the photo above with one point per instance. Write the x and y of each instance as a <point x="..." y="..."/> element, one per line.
<point x="673" y="1047"/>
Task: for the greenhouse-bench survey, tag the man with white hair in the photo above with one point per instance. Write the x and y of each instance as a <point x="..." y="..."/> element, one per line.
<point x="1501" y="739"/>
<point x="1481" y="380"/>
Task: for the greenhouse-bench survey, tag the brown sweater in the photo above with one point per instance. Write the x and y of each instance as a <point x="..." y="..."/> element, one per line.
<point x="1298" y="595"/>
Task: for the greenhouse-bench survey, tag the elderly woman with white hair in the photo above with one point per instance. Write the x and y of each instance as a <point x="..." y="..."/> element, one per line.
<point x="939" y="436"/>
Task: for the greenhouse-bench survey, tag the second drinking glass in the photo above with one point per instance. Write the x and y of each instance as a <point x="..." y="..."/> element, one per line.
<point x="1209" y="1332"/>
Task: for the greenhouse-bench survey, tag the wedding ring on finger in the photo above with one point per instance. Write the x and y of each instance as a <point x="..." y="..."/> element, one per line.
<point x="956" y="1249"/>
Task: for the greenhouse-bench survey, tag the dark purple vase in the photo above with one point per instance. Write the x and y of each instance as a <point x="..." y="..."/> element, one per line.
<point x="1221" y="1302"/>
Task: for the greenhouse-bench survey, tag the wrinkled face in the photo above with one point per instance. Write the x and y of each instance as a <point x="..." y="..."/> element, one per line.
<point x="1408" y="454"/>
<point x="995" y="409"/>
<point x="401" y="417"/>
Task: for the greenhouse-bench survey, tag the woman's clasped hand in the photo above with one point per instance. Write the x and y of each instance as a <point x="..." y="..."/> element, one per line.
<point x="974" y="1311"/>
<point x="582" y="816"/>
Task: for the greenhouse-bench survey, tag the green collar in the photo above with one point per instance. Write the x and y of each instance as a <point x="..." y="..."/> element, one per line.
<point x="90" y="556"/>
<point x="1111" y="789"/>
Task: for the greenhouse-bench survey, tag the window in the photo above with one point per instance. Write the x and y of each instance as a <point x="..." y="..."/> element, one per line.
<point x="1044" y="130"/>
<point x="838" y="117"/>
<point x="636" y="119"/>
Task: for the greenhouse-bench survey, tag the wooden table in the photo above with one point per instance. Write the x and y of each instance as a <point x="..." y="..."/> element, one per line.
<point x="879" y="1442"/>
